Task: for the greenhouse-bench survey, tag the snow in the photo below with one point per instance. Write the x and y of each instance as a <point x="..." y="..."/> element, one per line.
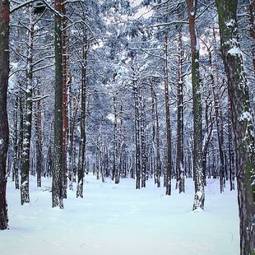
<point x="118" y="219"/>
<point x="235" y="51"/>
<point x="230" y="23"/>
<point x="246" y="116"/>
<point x="111" y="117"/>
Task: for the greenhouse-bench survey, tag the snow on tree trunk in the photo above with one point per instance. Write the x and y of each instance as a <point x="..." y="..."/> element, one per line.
<point x="197" y="109"/>
<point x="242" y="122"/>
<point x="27" y="125"/>
<point x="180" y="174"/>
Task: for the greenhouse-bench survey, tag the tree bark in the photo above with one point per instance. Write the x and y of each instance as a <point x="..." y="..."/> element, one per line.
<point x="180" y="174"/>
<point x="81" y="164"/>
<point x="168" y="167"/>
<point x="58" y="166"/>
<point x="16" y="144"/>
<point x="27" y="125"/>
<point x="4" y="128"/>
<point x="137" y="137"/>
<point x="197" y="108"/>
<point x="241" y="120"/>
<point x="39" y="143"/>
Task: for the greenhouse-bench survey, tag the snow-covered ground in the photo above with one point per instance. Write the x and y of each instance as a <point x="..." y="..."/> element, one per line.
<point x="120" y="220"/>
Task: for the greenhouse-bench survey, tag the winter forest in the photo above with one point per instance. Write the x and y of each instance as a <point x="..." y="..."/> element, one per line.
<point x="127" y="127"/>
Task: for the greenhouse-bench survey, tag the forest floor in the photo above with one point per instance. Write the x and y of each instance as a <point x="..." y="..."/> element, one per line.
<point x="120" y="220"/>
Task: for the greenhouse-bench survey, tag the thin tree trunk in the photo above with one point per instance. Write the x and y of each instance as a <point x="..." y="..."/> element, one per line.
<point x="137" y="137"/>
<point x="65" y="98"/>
<point x="168" y="122"/>
<point x="16" y="145"/>
<point x="39" y="141"/>
<point x="81" y="163"/>
<point x="143" y="145"/>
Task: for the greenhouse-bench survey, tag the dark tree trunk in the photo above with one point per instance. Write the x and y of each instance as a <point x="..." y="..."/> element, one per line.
<point x="65" y="97"/>
<point x="16" y="145"/>
<point x="143" y="145"/>
<point x="231" y="150"/>
<point x="39" y="145"/>
<point x="137" y="138"/>
<point x="197" y="108"/>
<point x="168" y="166"/>
<point x="252" y="29"/>
<point x="4" y="129"/>
<point x="115" y="145"/>
<point x="82" y="147"/>
<point x="58" y="166"/>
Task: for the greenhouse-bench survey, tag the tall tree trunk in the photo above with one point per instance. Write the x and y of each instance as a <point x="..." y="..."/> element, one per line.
<point x="58" y="166"/>
<point x="242" y="122"/>
<point x="65" y="97"/>
<point x="179" y="148"/>
<point x="115" y="144"/>
<point x="168" y="121"/>
<point x="27" y="126"/>
<point x="143" y="144"/>
<point x="137" y="136"/>
<point x="4" y="129"/>
<point x="39" y="143"/>
<point x="197" y="108"/>
<point x="82" y="147"/>
<point x="252" y="29"/>
<point x="16" y="144"/>
<point x="156" y="136"/>
<point x="231" y="150"/>
<point x="214" y="76"/>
